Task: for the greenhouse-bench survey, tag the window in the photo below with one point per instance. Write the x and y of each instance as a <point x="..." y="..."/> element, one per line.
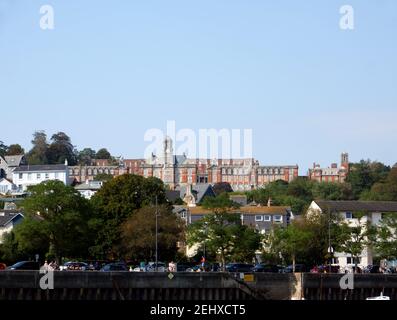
<point x="350" y="260"/>
<point x="349" y="215"/>
<point x="38" y="176"/>
<point x="20" y="175"/>
<point x="258" y="218"/>
<point x="278" y="218"/>
<point x="56" y="175"/>
<point x="47" y="176"/>
<point x="267" y="218"/>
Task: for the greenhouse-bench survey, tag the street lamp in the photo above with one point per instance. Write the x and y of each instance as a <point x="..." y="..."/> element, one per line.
<point x="156" y="213"/>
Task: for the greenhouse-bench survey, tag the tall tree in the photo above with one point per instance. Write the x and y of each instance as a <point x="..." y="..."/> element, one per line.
<point x="222" y="233"/>
<point x="139" y="234"/>
<point x="383" y="237"/>
<point x="86" y="156"/>
<point x="384" y="191"/>
<point x="64" y="215"/>
<point x="103" y="154"/>
<point x="118" y="200"/>
<point x="61" y="149"/>
<point x="15" y="149"/>
<point x="38" y="153"/>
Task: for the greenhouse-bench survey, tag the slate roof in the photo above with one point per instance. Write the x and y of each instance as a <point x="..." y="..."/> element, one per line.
<point x="14" y="161"/>
<point x="8" y="215"/>
<point x="199" y="191"/>
<point x="41" y="168"/>
<point x="372" y="206"/>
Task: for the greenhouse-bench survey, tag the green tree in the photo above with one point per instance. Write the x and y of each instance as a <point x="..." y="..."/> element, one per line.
<point x="103" y="154"/>
<point x="383" y="191"/>
<point x="64" y="216"/>
<point x="15" y="149"/>
<point x="116" y="201"/>
<point x="383" y="237"/>
<point x="139" y="234"/>
<point x="354" y="238"/>
<point x="291" y="242"/>
<point x="86" y="156"/>
<point x="364" y="174"/>
<point x="222" y="233"/>
<point x="61" y="149"/>
<point x="38" y="153"/>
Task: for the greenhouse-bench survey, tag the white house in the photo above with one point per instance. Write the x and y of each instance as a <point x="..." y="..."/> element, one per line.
<point x="8" y="220"/>
<point x="25" y="176"/>
<point x="373" y="211"/>
<point x="6" y="186"/>
<point x="88" y="189"/>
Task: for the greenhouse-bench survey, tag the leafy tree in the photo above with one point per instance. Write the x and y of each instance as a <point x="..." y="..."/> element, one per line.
<point x="61" y="149"/>
<point x="222" y="232"/>
<point x="221" y="187"/>
<point x="383" y="191"/>
<point x="116" y="201"/>
<point x="383" y="237"/>
<point x="64" y="215"/>
<point x="103" y="154"/>
<point x="38" y="153"/>
<point x="139" y="234"/>
<point x="354" y="238"/>
<point x="15" y="149"/>
<point x="364" y="174"/>
<point x="86" y="156"/>
<point x="291" y="242"/>
<point x="331" y="191"/>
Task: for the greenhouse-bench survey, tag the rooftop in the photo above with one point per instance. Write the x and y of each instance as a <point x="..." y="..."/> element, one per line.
<point x="373" y="206"/>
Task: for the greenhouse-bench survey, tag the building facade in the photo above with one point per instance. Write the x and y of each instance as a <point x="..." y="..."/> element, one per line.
<point x="25" y="176"/>
<point x="347" y="210"/>
<point x="334" y="173"/>
<point x="9" y="163"/>
<point x="242" y="174"/>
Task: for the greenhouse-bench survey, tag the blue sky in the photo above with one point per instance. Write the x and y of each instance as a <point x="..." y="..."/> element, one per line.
<point x="110" y="70"/>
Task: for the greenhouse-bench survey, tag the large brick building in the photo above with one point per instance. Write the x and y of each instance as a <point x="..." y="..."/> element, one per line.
<point x="334" y="173"/>
<point x="178" y="170"/>
<point x="242" y="174"/>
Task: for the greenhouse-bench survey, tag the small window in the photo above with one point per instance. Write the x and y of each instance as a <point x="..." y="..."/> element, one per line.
<point x="267" y="218"/>
<point x="20" y="175"/>
<point x="278" y="218"/>
<point x="56" y="175"/>
<point x="258" y="218"/>
<point x="349" y="215"/>
<point x="38" y="176"/>
<point x="47" y="176"/>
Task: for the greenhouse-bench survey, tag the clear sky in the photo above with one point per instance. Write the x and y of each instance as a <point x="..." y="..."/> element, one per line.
<point x="110" y="70"/>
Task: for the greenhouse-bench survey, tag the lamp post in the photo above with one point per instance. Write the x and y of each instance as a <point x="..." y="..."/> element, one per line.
<point x="156" y="213"/>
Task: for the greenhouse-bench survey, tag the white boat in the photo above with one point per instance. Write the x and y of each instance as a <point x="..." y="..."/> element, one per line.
<point x="381" y="297"/>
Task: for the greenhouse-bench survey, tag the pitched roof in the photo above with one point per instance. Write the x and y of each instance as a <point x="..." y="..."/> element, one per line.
<point x="373" y="206"/>
<point x="8" y="215"/>
<point x="199" y="190"/>
<point x="14" y="161"/>
<point x="37" y="168"/>
<point x="247" y="210"/>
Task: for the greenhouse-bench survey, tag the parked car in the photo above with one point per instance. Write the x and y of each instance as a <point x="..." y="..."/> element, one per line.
<point x="115" y="267"/>
<point x="25" y="265"/>
<point x="372" y="269"/>
<point x="269" y="268"/>
<point x="298" y="268"/>
<point x="325" y="269"/>
<point x="74" y="266"/>
<point x="3" y="266"/>
<point x="151" y="267"/>
<point x="239" y="267"/>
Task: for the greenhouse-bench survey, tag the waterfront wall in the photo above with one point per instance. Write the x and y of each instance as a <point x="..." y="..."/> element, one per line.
<point x="78" y="285"/>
